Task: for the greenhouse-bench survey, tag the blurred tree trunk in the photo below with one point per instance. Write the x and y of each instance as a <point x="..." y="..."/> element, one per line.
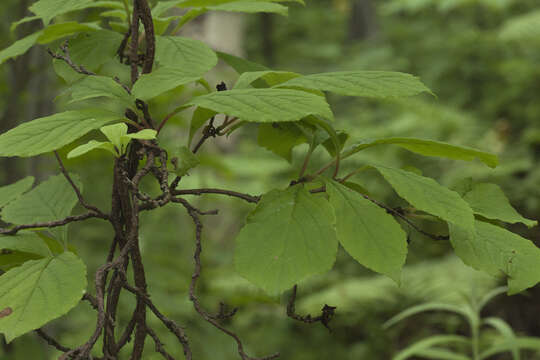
<point x="362" y="20"/>
<point x="267" y="30"/>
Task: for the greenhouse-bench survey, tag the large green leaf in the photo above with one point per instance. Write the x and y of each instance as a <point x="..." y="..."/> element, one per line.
<point x="161" y="80"/>
<point x="288" y="237"/>
<point x="53" y="199"/>
<point x="428" y="148"/>
<point x="40" y="291"/>
<point x="52" y="132"/>
<point x="186" y="54"/>
<point x="19" y="47"/>
<point x="427" y="195"/>
<point x="495" y="250"/>
<point x="251" y="7"/>
<point x="265" y="105"/>
<point x="489" y="201"/>
<point x="48" y="9"/>
<point x="269" y="77"/>
<point x="374" y="84"/>
<point x="61" y="30"/>
<point x="27" y="242"/>
<point x="280" y="138"/>
<point x="367" y="232"/>
<point x="90" y="87"/>
<point x="14" y="258"/>
<point x="13" y="191"/>
<point x="240" y="65"/>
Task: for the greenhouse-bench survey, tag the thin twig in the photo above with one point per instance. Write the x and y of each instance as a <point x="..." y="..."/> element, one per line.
<point x="327" y="312"/>
<point x="52" y="224"/>
<point x="51" y="341"/>
<point x="77" y="190"/>
<point x="194" y="213"/>
<point x="246" y="197"/>
<point x="159" y="345"/>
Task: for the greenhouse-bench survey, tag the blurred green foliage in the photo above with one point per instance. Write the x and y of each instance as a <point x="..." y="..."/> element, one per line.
<point x="480" y="58"/>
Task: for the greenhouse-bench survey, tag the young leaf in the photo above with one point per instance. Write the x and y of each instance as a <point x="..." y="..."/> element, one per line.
<point x="367" y="232"/>
<point x="428" y="148"/>
<point x="427" y="195"/>
<point x="417" y="309"/>
<point x="265" y="105"/>
<point x="145" y="134"/>
<point x="90" y="87"/>
<point x="184" y="160"/>
<point x="91" y="145"/>
<point x="373" y="84"/>
<point x="288" y="237"/>
<point x="52" y="132"/>
<point x="115" y="133"/>
<point x="40" y="291"/>
<point x="161" y="80"/>
<point x="13" y="191"/>
<point x="494" y="250"/>
<point x="184" y="54"/>
<point x="280" y="138"/>
<point x="529" y="343"/>
<point x="19" y="47"/>
<point x="240" y="65"/>
<point x="27" y="242"/>
<point x="489" y="201"/>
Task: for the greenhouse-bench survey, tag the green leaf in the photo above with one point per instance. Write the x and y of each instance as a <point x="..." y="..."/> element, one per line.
<point x="489" y="201"/>
<point x="495" y="250"/>
<point x="161" y="80"/>
<point x="184" y="160"/>
<point x="506" y="331"/>
<point x="440" y="354"/>
<point x="48" y="9"/>
<point x="530" y="343"/>
<point x="27" y="242"/>
<point x="52" y="132"/>
<point x="373" y="84"/>
<point x="269" y="77"/>
<point x="240" y="65"/>
<point x="145" y="134"/>
<point x="94" y="49"/>
<point x="40" y="291"/>
<point x="19" y="47"/>
<point x="428" y="148"/>
<point x="265" y="105"/>
<point x="15" y="258"/>
<point x="200" y="116"/>
<point x="427" y="195"/>
<point x="91" y="145"/>
<point x="251" y="7"/>
<point x="367" y="232"/>
<point x="522" y="28"/>
<point x="61" y="30"/>
<point x="13" y="191"/>
<point x="90" y="87"/>
<point x="428" y="343"/>
<point x="288" y="237"/>
<point x="185" y="54"/>
<point x="280" y="138"/>
<point x="51" y="200"/>
<point x="417" y="309"/>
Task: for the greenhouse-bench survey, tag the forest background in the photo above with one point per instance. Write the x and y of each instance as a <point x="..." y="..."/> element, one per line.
<point x="481" y="58"/>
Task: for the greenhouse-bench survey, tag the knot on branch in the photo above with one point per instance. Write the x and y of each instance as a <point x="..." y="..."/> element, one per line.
<point x="327" y="312"/>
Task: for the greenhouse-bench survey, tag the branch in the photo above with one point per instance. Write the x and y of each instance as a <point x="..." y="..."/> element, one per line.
<point x="51" y="341"/>
<point x="194" y="213"/>
<point x="327" y="312"/>
<point x="77" y="190"/>
<point x="52" y="224"/>
<point x="159" y="345"/>
<point x="246" y="197"/>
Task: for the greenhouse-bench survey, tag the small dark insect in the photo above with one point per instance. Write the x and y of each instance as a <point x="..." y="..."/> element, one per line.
<point x="221" y="86"/>
<point x="6" y="312"/>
